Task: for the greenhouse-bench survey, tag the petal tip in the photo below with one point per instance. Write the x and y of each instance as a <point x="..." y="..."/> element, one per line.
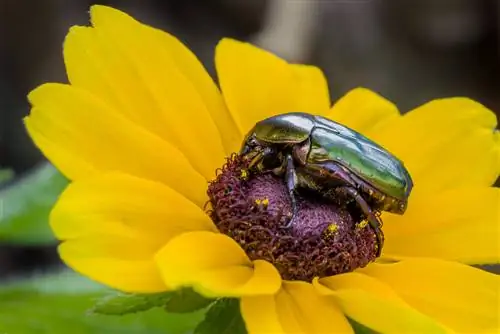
<point x="96" y="10"/>
<point x="44" y="92"/>
<point x="100" y="14"/>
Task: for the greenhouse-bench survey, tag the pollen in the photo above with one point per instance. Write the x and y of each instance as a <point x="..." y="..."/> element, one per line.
<point x="244" y="174"/>
<point x="254" y="211"/>
<point x="331" y="230"/>
<point x="262" y="202"/>
<point x="362" y="224"/>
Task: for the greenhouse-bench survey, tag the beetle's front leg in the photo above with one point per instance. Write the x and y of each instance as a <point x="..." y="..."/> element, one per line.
<point x="373" y="220"/>
<point x="256" y="160"/>
<point x="291" y="184"/>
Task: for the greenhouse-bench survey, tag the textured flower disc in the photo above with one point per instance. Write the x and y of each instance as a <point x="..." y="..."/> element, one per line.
<point x="326" y="238"/>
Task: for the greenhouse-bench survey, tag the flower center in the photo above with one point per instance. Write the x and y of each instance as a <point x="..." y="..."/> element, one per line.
<point x="325" y="239"/>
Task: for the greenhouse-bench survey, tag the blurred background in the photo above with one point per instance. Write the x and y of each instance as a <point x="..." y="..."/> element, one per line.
<point x="409" y="51"/>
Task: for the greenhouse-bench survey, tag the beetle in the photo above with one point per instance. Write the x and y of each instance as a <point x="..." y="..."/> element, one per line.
<point x="322" y="155"/>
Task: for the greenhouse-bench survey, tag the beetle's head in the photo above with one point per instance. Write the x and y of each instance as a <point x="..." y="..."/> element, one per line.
<point x="260" y="156"/>
<point x="250" y="145"/>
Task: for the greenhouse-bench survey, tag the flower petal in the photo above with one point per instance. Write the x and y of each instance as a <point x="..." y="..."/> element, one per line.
<point x="82" y="135"/>
<point x="216" y="266"/>
<point x="363" y="110"/>
<point x="445" y="143"/>
<point x="375" y="305"/>
<point x="296" y="308"/>
<point x="464" y="298"/>
<point x="125" y="206"/>
<point x="312" y="87"/>
<point x="260" y="314"/>
<point x="136" y="69"/>
<point x="301" y="309"/>
<point x="122" y="263"/>
<point x="461" y="224"/>
<point x="257" y="84"/>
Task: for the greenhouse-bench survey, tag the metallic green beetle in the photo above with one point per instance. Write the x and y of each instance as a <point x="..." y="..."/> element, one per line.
<point x="319" y="154"/>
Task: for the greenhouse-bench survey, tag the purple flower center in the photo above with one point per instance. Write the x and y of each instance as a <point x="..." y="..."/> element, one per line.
<point x="326" y="238"/>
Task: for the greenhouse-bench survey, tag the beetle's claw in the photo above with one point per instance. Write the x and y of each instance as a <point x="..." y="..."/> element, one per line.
<point x="376" y="224"/>
<point x="290" y="222"/>
<point x="380" y="240"/>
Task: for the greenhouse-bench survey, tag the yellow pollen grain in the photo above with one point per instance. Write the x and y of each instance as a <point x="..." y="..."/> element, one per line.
<point x="262" y="202"/>
<point x="331" y="230"/>
<point x="244" y="174"/>
<point x="362" y="224"/>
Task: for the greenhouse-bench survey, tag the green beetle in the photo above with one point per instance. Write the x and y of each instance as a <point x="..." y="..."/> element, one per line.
<point x="319" y="154"/>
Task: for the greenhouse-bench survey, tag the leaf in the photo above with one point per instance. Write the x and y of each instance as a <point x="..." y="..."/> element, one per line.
<point x="58" y="304"/>
<point x="186" y="301"/>
<point x="119" y="304"/>
<point x="180" y="301"/>
<point x="6" y="175"/>
<point x="360" y="328"/>
<point x="223" y="317"/>
<point x="25" y="206"/>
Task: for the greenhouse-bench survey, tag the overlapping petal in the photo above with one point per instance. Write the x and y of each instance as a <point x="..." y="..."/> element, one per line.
<point x="83" y="135"/>
<point x="374" y="304"/>
<point x="461" y="224"/>
<point x="463" y="298"/>
<point x="296" y="308"/>
<point x="152" y="79"/>
<point x="122" y="205"/>
<point x="257" y="84"/>
<point x="215" y="265"/>
<point x="445" y="143"/>
<point x="113" y="224"/>
<point x="363" y="110"/>
<point x="260" y="314"/>
<point x="124" y="263"/>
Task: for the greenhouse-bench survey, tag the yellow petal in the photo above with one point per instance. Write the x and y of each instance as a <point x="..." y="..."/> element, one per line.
<point x="257" y="84"/>
<point x="216" y="266"/>
<point x="461" y="224"/>
<point x="131" y="67"/>
<point x="123" y="205"/>
<point x="260" y="314"/>
<point x="301" y="309"/>
<point x="82" y="135"/>
<point x="313" y="89"/>
<point x="126" y="264"/>
<point x="375" y="305"/>
<point x="445" y="143"/>
<point x="463" y="298"/>
<point x="363" y="110"/>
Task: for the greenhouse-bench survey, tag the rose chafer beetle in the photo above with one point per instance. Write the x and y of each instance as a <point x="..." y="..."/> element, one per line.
<point x="321" y="155"/>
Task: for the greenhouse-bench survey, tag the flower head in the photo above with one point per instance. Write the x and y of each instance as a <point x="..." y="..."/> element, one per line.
<point x="141" y="130"/>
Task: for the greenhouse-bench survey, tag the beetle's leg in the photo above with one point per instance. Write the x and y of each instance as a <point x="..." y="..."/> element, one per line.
<point x="281" y="169"/>
<point x="257" y="158"/>
<point x="372" y="218"/>
<point x="291" y="184"/>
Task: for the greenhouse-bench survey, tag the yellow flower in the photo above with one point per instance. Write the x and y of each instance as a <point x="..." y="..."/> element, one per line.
<point x="142" y="128"/>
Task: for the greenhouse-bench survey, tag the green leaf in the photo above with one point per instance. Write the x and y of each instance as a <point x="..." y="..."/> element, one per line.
<point x="360" y="328"/>
<point x="223" y="317"/>
<point x="186" y="301"/>
<point x="59" y="304"/>
<point x="181" y="301"/>
<point x="6" y="175"/>
<point x="25" y="206"/>
<point x="119" y="304"/>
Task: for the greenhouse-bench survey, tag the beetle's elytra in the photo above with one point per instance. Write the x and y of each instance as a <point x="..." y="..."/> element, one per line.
<point x="319" y="154"/>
